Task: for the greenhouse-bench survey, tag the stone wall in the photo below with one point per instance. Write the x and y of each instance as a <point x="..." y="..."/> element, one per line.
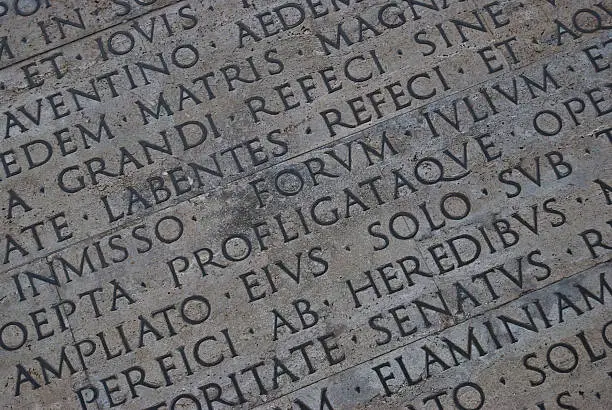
<point x="309" y="204"/>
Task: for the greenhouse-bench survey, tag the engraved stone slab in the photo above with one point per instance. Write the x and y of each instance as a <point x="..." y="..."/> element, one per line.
<point x="311" y="204"/>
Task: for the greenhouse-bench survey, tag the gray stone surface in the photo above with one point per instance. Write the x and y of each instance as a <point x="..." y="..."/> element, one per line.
<point x="331" y="204"/>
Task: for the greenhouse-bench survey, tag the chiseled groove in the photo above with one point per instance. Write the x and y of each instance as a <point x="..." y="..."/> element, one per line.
<point x="434" y="334"/>
<point x="122" y="21"/>
<point x="175" y="202"/>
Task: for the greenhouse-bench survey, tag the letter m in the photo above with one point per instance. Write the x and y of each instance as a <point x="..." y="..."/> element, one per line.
<point x="156" y="112"/>
<point x="587" y="295"/>
<point x="57" y="372"/>
<point x="340" y="35"/>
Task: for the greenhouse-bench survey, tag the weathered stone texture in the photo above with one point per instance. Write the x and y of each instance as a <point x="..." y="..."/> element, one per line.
<point x="305" y="204"/>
